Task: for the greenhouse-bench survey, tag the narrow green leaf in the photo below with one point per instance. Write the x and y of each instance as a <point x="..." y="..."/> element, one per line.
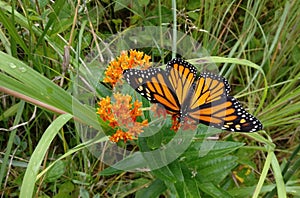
<point x="263" y="175"/>
<point x="39" y="153"/>
<point x="55" y="172"/>
<point x="23" y="79"/>
<point x="12" y="136"/>
<point x="57" y="7"/>
<point x="110" y="171"/>
<point x="6" y="22"/>
<point x="278" y="177"/>
<point x="190" y="185"/>
<point x="10" y="111"/>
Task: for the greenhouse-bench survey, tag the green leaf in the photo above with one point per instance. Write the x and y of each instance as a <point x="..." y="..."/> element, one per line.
<point x="84" y="193"/>
<point x="213" y="190"/>
<point x="65" y="190"/>
<point x="10" y="111"/>
<point x="281" y="190"/>
<point x="215" y="169"/>
<point x="219" y="148"/>
<point x="21" y="78"/>
<point x="156" y="188"/>
<point x="187" y="187"/>
<point x="172" y="172"/>
<point x="7" y="23"/>
<point x="66" y="187"/>
<point x="143" y="2"/>
<point x="120" y="4"/>
<point x="110" y="171"/>
<point x="55" y="172"/>
<point x="57" y="7"/>
<point x="39" y="153"/>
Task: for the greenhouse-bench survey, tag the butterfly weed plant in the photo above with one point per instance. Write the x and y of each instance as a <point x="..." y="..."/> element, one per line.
<point x="255" y="45"/>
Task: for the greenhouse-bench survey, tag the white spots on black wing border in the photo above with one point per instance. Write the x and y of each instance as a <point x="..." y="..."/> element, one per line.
<point x="180" y="61"/>
<point x="219" y="78"/>
<point x="137" y="79"/>
<point x="136" y="73"/>
<point x="243" y="114"/>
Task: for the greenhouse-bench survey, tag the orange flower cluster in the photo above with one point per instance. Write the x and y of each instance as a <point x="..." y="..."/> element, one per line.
<point x="126" y="60"/>
<point x="122" y="114"/>
<point x="105" y="111"/>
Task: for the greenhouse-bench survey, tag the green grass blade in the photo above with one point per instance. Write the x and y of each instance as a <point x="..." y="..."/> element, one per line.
<point x="263" y="175"/>
<point x="12" y="135"/>
<point x="39" y="153"/>
<point x="288" y="171"/>
<point x="23" y="79"/>
<point x="12" y="31"/>
<point x="58" y="5"/>
<point x="79" y="147"/>
<point x="278" y="177"/>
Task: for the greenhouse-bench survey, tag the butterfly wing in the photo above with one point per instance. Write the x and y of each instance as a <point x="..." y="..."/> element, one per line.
<point x="211" y="105"/>
<point x="181" y="75"/>
<point x="204" y="99"/>
<point x="171" y="88"/>
<point x="154" y="85"/>
<point x="208" y="88"/>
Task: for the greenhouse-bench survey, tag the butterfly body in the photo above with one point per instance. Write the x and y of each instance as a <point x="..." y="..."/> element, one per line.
<point x="203" y="99"/>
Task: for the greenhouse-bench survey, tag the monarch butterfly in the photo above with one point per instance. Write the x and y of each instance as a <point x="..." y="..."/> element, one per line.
<point x="204" y="98"/>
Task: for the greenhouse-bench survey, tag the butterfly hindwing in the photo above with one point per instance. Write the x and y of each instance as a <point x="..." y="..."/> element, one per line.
<point x="238" y="119"/>
<point x="226" y="113"/>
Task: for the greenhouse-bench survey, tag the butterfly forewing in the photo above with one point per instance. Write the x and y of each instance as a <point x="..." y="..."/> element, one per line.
<point x="181" y="76"/>
<point x="154" y="86"/>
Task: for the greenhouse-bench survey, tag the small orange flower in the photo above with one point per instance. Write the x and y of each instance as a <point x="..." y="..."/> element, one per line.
<point x="114" y="71"/>
<point x="136" y="111"/>
<point x="122" y="113"/>
<point x="137" y="127"/>
<point x="105" y="111"/>
<point x="120" y="135"/>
